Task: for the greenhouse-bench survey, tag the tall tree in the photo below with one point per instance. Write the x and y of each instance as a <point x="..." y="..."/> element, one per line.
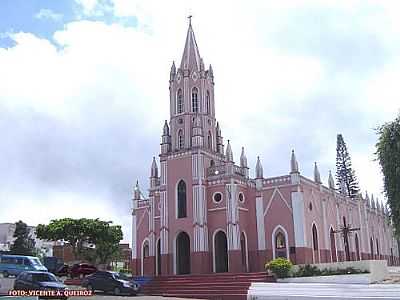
<point x="81" y="232"/>
<point x="388" y="154"/>
<point x="24" y="244"/>
<point x="345" y="175"/>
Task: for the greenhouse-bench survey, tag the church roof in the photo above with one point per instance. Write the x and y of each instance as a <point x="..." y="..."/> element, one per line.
<point x="191" y="57"/>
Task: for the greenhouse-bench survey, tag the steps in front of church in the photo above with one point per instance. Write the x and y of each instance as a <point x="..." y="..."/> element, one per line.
<point x="220" y="286"/>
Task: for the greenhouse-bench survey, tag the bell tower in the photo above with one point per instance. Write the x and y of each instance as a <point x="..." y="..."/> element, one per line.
<point x="192" y="107"/>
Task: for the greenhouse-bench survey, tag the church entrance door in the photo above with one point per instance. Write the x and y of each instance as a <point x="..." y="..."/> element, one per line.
<point x="183" y="253"/>
<point x="221" y="252"/>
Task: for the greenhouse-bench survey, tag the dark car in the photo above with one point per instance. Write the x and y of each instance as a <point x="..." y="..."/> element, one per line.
<point x="111" y="282"/>
<point x="62" y="270"/>
<point x="81" y="270"/>
<point x="38" y="281"/>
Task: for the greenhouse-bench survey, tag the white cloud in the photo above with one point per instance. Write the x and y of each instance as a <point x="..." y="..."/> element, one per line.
<point x="48" y="14"/>
<point x="270" y="96"/>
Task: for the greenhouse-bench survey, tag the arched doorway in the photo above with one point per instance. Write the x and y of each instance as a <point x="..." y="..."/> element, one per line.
<point x="333" y="245"/>
<point x="183" y="253"/>
<point x="371" y="244"/>
<point x="315" y="244"/>
<point x="220" y="252"/>
<point x="158" y="258"/>
<point x="145" y="255"/>
<point x="243" y="248"/>
<point x="357" y="247"/>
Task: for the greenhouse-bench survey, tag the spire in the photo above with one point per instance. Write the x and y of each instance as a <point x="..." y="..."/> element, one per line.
<point x="243" y="159"/>
<point x="173" y="71"/>
<point x="191" y="56"/>
<point x="229" y="154"/>
<point x="372" y="201"/>
<point x="166" y="128"/>
<point x="210" y="71"/>
<point x="259" y="168"/>
<point x="331" y="182"/>
<point x="218" y="129"/>
<point x="294" y="166"/>
<point x="154" y="168"/>
<point x="317" y="176"/>
<point x="136" y="191"/>
<point x="367" y="199"/>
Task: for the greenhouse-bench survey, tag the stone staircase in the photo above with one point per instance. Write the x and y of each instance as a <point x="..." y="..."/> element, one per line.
<point x="220" y="286"/>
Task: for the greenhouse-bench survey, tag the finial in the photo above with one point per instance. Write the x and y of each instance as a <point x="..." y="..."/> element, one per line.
<point x="243" y="159"/>
<point x="331" y="182"/>
<point x="154" y="168"/>
<point x="317" y="176"/>
<point x="294" y="166"/>
<point x="229" y="154"/>
<point x="259" y="169"/>
<point x="136" y="191"/>
<point x="190" y="19"/>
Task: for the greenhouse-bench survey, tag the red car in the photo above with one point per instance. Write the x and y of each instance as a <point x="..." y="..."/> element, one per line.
<point x="81" y="270"/>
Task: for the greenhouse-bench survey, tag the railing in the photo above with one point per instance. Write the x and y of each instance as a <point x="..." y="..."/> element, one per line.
<point x="221" y="170"/>
<point x="216" y="170"/>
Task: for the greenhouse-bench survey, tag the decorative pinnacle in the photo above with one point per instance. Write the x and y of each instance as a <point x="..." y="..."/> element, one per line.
<point x="190" y="19"/>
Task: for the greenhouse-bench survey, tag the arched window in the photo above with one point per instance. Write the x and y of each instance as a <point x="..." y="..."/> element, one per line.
<point x="195" y="100"/>
<point x="179" y="102"/>
<point x="315" y="237"/>
<point x="208" y="102"/>
<point x="181" y="140"/>
<point x="357" y="247"/>
<point x="209" y="140"/>
<point x="377" y="248"/>
<point x="145" y="250"/>
<point x="181" y="199"/>
<point x="371" y="243"/>
<point x="280" y="241"/>
<point x="333" y="245"/>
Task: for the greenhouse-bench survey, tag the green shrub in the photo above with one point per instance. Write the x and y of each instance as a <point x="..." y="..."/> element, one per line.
<point x="308" y="270"/>
<point x="280" y="267"/>
<point x="125" y="271"/>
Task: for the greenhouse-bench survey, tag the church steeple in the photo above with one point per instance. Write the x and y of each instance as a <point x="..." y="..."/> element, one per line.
<point x="191" y="56"/>
<point x="192" y="107"/>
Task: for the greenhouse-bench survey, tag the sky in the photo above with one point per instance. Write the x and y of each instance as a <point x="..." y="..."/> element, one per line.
<point x="84" y="92"/>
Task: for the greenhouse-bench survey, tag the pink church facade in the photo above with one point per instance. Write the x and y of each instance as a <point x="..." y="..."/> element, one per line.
<point x="205" y="214"/>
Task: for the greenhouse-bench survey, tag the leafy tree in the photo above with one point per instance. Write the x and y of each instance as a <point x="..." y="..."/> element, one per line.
<point x="79" y="233"/>
<point x="388" y="154"/>
<point x="24" y="244"/>
<point x="345" y="175"/>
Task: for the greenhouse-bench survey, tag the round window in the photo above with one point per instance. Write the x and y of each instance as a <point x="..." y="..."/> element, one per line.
<point x="241" y="197"/>
<point x="217" y="197"/>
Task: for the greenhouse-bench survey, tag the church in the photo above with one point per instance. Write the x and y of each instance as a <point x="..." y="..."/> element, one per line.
<point x="205" y="214"/>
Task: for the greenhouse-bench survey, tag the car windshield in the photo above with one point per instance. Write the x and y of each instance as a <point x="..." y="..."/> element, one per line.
<point x="43" y="277"/>
<point x="35" y="262"/>
<point x="120" y="276"/>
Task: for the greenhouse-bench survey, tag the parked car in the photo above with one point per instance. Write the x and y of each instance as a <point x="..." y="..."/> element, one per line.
<point x="111" y="282"/>
<point x="15" y="264"/>
<point x="81" y="270"/>
<point x="52" y="263"/>
<point x="38" y="281"/>
<point x="63" y="270"/>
